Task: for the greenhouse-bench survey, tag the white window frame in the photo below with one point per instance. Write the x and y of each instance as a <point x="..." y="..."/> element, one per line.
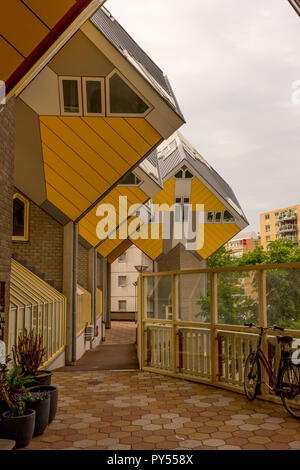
<point x="122" y="309"/>
<point x="61" y="95"/>
<point x="132" y="185"/>
<point x="107" y="92"/>
<point x="120" y="260"/>
<point x="93" y="79"/>
<point x="125" y="283"/>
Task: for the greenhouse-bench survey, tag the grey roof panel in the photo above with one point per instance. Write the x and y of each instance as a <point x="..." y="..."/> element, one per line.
<point x="124" y="43"/>
<point x="209" y="174"/>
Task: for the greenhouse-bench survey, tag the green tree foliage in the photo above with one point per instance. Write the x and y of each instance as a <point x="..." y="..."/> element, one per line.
<point x="235" y="302"/>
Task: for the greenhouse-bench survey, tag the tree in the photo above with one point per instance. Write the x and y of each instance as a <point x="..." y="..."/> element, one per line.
<point x="236" y="301"/>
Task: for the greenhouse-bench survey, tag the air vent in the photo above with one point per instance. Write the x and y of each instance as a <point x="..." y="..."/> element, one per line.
<point x="89" y="333"/>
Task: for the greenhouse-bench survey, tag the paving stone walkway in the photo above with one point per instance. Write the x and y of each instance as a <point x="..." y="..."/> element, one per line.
<point x="136" y="410"/>
<point x="121" y="332"/>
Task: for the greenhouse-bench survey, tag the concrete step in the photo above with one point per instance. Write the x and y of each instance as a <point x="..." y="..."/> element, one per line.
<point x="6" y="444"/>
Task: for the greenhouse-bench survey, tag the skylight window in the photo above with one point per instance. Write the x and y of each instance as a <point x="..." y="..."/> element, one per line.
<point x="123" y="100"/>
<point x="130" y="180"/>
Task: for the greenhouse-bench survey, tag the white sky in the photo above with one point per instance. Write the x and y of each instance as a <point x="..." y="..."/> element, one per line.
<point x="231" y="64"/>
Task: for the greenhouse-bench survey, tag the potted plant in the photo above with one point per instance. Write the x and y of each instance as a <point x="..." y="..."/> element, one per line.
<point x="40" y="403"/>
<point x="53" y="392"/>
<point x="17" y="422"/>
<point x="29" y="353"/>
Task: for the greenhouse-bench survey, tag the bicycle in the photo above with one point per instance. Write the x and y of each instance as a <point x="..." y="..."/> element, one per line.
<point x="286" y="383"/>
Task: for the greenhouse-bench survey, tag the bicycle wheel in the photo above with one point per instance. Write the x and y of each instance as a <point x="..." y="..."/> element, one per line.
<point x="252" y="376"/>
<point x="289" y="388"/>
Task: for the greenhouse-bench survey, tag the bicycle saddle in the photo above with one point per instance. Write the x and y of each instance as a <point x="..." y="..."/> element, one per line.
<point x="285" y="339"/>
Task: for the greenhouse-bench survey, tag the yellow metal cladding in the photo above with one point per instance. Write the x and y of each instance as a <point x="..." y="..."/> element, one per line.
<point x="87" y="226"/>
<point x="119" y="251"/>
<point x="167" y="194"/>
<point x="23" y="25"/>
<point x="215" y="236"/>
<point x="110" y="245"/>
<point x="84" y="309"/>
<point x="85" y="156"/>
<point x="151" y="247"/>
<point x="200" y="194"/>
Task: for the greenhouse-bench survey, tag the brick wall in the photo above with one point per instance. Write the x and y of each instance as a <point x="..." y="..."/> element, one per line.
<point x="7" y="140"/>
<point x="83" y="266"/>
<point x="44" y="250"/>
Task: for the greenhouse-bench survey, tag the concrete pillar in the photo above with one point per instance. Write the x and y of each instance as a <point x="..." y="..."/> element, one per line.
<point x="92" y="282"/>
<point x="68" y="262"/>
<point x="104" y="293"/>
<point x="108" y="308"/>
<point x="7" y="145"/>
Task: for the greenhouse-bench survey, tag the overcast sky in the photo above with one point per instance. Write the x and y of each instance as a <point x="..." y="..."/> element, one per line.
<point x="232" y="64"/>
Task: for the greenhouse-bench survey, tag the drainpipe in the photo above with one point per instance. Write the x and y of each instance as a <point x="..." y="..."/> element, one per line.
<point x="75" y="270"/>
<point x="104" y="293"/>
<point x="95" y="284"/>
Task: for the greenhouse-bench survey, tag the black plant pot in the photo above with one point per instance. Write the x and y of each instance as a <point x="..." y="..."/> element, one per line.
<point x="19" y="428"/>
<point x="53" y="398"/>
<point x="42" y="411"/>
<point x="42" y="378"/>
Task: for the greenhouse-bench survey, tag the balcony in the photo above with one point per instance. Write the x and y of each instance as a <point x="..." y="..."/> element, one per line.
<point x="203" y="338"/>
<point x="286" y="216"/>
<point x="289" y="228"/>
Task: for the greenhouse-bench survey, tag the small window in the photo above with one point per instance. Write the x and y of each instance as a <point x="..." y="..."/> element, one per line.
<point x="20" y="218"/>
<point x="268" y="238"/>
<point x="178" y="200"/>
<point x="122" y="281"/>
<point x="122" y="305"/>
<point x="188" y="174"/>
<point x="228" y="217"/>
<point x="179" y="175"/>
<point x="70" y="94"/>
<point x="93" y="96"/>
<point x="186" y="200"/>
<point x="218" y="217"/>
<point x="123" y="99"/>
<point x="130" y="180"/>
<point x="267" y="228"/>
<point x="122" y="258"/>
<point x="267" y="217"/>
<point x="210" y="217"/>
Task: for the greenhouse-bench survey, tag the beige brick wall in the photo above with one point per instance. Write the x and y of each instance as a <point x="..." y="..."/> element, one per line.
<point x="44" y="250"/>
<point x="7" y="137"/>
<point x="83" y="266"/>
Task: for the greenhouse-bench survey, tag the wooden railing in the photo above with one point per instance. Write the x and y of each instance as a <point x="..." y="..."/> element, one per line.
<point x="182" y="324"/>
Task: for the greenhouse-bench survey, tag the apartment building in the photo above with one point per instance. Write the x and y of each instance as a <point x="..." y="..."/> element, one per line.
<point x="280" y="223"/>
<point x="124" y="275"/>
<point x="243" y="243"/>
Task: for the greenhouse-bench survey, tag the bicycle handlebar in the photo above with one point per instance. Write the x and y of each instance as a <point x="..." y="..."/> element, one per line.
<point x="274" y="327"/>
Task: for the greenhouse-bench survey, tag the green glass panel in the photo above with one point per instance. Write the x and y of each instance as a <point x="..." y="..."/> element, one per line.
<point x="93" y="97"/>
<point x="123" y="100"/>
<point x="71" y="97"/>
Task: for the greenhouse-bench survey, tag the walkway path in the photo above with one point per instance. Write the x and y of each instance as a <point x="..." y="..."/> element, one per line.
<point x="121" y="332"/>
<point x="134" y="410"/>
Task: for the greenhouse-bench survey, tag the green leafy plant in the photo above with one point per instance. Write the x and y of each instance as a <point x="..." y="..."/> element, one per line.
<point x="5" y="391"/>
<point x="29" y="353"/>
<point x="17" y="380"/>
<point x="35" y="397"/>
<point x="18" y="407"/>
